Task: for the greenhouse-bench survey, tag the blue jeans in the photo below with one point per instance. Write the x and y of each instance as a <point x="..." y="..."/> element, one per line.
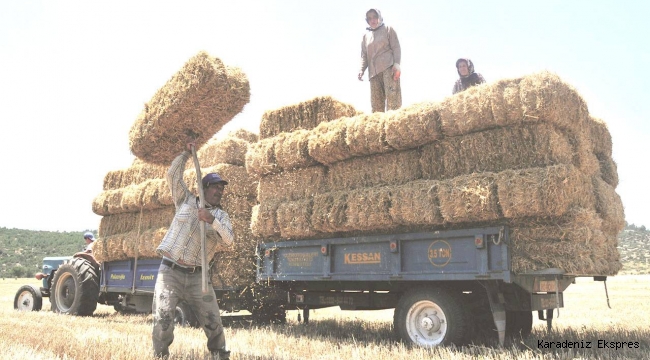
<point x="173" y="286"/>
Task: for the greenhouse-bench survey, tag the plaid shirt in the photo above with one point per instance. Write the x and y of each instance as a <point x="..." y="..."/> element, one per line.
<point x="182" y="242"/>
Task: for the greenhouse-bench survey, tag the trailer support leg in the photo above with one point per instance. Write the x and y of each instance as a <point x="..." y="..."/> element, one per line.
<point x="549" y="319"/>
<point x="497" y="305"/>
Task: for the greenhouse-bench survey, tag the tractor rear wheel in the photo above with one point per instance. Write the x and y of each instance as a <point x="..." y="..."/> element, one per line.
<point x="75" y="288"/>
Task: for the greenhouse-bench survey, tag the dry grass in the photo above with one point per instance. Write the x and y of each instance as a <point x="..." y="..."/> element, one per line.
<point x="332" y="333"/>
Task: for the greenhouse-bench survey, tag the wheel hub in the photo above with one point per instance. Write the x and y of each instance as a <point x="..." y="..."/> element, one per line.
<point x="430" y="322"/>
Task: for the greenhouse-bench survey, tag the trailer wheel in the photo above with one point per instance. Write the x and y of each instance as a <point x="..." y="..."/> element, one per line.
<point x="429" y="317"/>
<point x="519" y="323"/>
<point x="185" y="316"/>
<point x="75" y="288"/>
<point x="28" y="298"/>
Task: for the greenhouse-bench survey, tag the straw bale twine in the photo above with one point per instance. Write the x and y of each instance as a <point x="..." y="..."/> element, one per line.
<point x="264" y="222"/>
<point x="601" y="139"/>
<point x="125" y="222"/>
<point x="293" y="185"/>
<point x="260" y="157"/>
<point x="516" y="147"/>
<point x="230" y="150"/>
<point x="368" y="209"/>
<point x="609" y="207"/>
<point x="329" y="212"/>
<point x="412" y="126"/>
<point x="244" y="134"/>
<point x="327" y="141"/>
<point x="201" y="97"/>
<point x="467" y="112"/>
<point x="469" y="198"/>
<point x="547" y="191"/>
<point x="294" y="219"/>
<point x="394" y="168"/>
<point x="545" y="96"/>
<point x="365" y="134"/>
<point x="415" y="203"/>
<point x="292" y="150"/>
<point x="305" y="115"/>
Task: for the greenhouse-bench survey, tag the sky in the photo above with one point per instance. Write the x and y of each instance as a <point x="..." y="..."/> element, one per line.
<point x="74" y="75"/>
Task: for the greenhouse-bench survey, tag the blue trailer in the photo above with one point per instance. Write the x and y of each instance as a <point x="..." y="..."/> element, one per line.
<point x="443" y="285"/>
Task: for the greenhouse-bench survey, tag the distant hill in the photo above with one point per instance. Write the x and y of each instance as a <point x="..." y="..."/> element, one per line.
<point x="22" y="251"/>
<point x="634" y="247"/>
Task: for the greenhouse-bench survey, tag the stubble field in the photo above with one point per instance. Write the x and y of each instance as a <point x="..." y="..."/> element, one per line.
<point x="585" y="321"/>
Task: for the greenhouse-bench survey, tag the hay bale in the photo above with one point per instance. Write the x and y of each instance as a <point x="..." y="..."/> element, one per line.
<point x="506" y="102"/>
<point x="229" y="150"/>
<point x="547" y="191"/>
<point x="601" y="139"/>
<point x="469" y="198"/>
<point x="467" y="111"/>
<point x="238" y="206"/>
<point x="137" y="173"/>
<point x="327" y="143"/>
<point x="394" y="168"/>
<point x="260" y="157"/>
<point x="233" y="271"/>
<point x="415" y="203"/>
<point x="239" y="182"/>
<point x="368" y="209"/>
<point x="609" y="207"/>
<point x="264" y="222"/>
<point x="292" y="150"/>
<point x="294" y="219"/>
<point x="608" y="170"/>
<point x="516" y="147"/>
<point x="245" y="242"/>
<point x="244" y="134"/>
<point x="545" y="96"/>
<point x="431" y="161"/>
<point x="305" y="115"/>
<point x="366" y="135"/>
<point x="329" y="212"/>
<point x="126" y="222"/>
<point x="576" y="225"/>
<point x="293" y="185"/>
<point x="412" y="126"/>
<point x="201" y="97"/>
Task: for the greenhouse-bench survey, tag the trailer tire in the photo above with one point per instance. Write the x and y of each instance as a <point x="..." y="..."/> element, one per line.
<point x="28" y="298"/>
<point x="430" y="317"/>
<point x="519" y="323"/>
<point x="185" y="316"/>
<point x="75" y="288"/>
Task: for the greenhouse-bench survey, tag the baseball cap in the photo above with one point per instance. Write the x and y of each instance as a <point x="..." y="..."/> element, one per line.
<point x="89" y="236"/>
<point x="212" y="178"/>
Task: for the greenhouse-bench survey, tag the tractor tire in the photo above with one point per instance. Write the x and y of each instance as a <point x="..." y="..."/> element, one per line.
<point x="75" y="288"/>
<point x="430" y="317"/>
<point x="519" y="323"/>
<point x="28" y="298"/>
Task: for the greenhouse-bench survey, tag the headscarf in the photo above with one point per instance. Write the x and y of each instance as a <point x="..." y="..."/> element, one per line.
<point x="470" y="67"/>
<point x="380" y="19"/>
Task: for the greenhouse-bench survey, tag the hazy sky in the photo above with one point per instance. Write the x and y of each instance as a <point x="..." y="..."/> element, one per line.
<point x="74" y="75"/>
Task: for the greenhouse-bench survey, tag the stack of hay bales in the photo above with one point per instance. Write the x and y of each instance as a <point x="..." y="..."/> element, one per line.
<point x="137" y="208"/>
<point x="520" y="152"/>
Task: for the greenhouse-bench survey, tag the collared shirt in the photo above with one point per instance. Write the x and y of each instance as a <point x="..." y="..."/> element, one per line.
<point x="182" y="242"/>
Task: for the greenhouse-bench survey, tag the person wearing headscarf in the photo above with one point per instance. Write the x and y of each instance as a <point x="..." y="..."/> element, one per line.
<point x="468" y="77"/>
<point x="381" y="55"/>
